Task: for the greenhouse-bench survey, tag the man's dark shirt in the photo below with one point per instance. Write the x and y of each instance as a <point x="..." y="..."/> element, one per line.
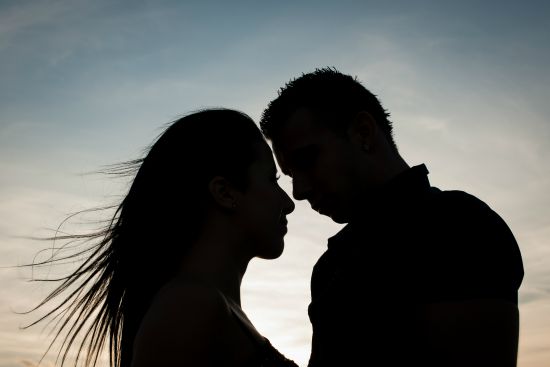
<point x="412" y="245"/>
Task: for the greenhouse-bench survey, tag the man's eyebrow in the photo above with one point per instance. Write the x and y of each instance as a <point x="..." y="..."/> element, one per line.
<point x="288" y="160"/>
<point x="300" y="152"/>
<point x="294" y="158"/>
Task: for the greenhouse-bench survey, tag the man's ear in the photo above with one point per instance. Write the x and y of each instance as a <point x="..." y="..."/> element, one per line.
<point x="362" y="131"/>
<point x="223" y="193"/>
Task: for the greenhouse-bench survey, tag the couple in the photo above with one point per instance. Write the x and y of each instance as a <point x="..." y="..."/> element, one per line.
<point x="418" y="276"/>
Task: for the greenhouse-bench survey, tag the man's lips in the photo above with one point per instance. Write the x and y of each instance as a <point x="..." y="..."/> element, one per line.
<point x="321" y="206"/>
<point x="317" y="206"/>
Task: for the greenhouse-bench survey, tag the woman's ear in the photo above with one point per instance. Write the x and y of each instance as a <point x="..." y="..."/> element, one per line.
<point x="362" y="131"/>
<point x="223" y="193"/>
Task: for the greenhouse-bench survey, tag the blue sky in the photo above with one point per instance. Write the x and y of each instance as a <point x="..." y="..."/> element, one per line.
<point x="89" y="83"/>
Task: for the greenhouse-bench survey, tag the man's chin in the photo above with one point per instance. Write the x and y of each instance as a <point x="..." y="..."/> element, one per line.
<point x="336" y="217"/>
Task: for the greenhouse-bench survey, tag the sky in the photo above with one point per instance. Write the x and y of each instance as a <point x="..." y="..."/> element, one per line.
<point x="85" y="84"/>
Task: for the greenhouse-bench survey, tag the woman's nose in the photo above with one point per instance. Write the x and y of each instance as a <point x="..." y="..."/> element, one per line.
<point x="288" y="203"/>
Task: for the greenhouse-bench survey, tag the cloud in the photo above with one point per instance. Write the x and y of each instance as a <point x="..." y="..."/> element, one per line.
<point x="24" y="15"/>
<point x="534" y="348"/>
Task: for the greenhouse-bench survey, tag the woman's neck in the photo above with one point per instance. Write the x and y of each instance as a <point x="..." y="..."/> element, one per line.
<point x="214" y="260"/>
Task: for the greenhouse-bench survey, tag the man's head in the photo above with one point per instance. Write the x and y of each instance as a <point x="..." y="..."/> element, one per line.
<point x="333" y="137"/>
<point x="334" y="98"/>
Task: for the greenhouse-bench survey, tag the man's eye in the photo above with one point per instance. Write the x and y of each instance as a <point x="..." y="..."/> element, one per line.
<point x="305" y="159"/>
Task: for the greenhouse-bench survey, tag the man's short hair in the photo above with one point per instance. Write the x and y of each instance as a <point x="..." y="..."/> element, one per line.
<point x="334" y="98"/>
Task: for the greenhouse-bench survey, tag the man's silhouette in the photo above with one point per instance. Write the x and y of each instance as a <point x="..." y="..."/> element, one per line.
<point x="418" y="276"/>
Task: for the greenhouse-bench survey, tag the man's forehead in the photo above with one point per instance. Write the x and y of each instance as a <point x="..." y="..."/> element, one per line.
<point x="281" y="162"/>
<point x="300" y="129"/>
<point x="299" y="132"/>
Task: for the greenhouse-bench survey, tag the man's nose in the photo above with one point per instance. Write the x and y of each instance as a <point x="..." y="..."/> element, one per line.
<point x="288" y="204"/>
<point x="300" y="187"/>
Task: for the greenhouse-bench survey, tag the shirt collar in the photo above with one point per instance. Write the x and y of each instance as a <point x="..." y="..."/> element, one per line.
<point x="402" y="188"/>
<point x="408" y="182"/>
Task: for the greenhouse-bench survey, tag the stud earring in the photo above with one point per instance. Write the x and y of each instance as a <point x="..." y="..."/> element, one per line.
<point x="366" y="147"/>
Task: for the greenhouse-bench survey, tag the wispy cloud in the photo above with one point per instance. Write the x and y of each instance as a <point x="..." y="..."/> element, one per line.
<point x="24" y="16"/>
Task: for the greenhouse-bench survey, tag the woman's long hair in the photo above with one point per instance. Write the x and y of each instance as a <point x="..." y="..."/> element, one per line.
<point x="142" y="245"/>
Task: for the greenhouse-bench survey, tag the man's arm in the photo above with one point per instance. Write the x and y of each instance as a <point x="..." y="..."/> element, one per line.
<point x="472" y="333"/>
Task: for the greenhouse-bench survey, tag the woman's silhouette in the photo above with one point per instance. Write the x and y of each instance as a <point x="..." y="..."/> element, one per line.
<point x="161" y="283"/>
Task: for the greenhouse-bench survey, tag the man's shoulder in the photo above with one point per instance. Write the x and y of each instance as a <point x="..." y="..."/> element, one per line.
<point x="472" y="248"/>
<point x="455" y="211"/>
<point x="462" y="222"/>
<point x="453" y="200"/>
<point x="466" y="214"/>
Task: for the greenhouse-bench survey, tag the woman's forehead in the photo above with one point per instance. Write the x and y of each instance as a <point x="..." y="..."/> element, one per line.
<point x="265" y="155"/>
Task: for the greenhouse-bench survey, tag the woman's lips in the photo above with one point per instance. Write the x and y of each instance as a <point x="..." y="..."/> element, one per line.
<point x="283" y="226"/>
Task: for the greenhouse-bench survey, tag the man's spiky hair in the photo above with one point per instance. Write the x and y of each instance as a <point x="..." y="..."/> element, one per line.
<point x="334" y="99"/>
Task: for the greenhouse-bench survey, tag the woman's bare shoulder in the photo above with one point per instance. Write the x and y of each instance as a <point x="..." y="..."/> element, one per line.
<point x="182" y="326"/>
<point x="176" y="297"/>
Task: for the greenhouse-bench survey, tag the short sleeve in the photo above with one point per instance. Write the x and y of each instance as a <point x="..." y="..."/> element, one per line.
<point x="474" y="254"/>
